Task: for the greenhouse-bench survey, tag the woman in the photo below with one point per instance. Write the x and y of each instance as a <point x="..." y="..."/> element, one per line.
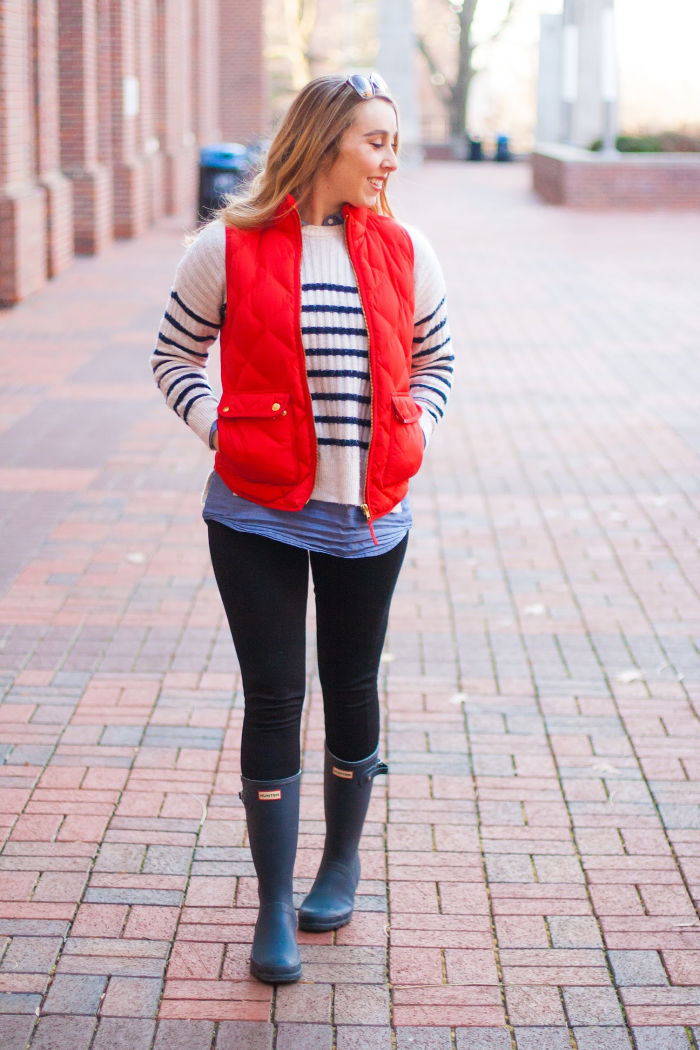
<point x="336" y="366"/>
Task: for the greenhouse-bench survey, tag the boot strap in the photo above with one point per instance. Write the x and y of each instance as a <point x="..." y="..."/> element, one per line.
<point x="376" y="771"/>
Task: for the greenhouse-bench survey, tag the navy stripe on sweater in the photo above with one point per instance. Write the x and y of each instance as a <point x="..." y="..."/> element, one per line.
<point x="331" y="330"/>
<point x="427" y="386"/>
<point x="424" y="320"/>
<point x="347" y="442"/>
<point x="432" y="411"/>
<point x="171" y="342"/>
<point x="175" y="368"/>
<point x="329" y="288"/>
<point x="434" y="370"/>
<point x="348" y="373"/>
<point x="322" y="308"/>
<point x="185" y="375"/>
<point x="191" y="313"/>
<point x="343" y="419"/>
<point x="337" y="351"/>
<point x="434" y="350"/>
<point x="187" y="390"/>
<point x="433" y="385"/>
<point x="422" y="338"/>
<point x="181" y="328"/>
<point x="192" y="400"/>
<point x="363" y="400"/>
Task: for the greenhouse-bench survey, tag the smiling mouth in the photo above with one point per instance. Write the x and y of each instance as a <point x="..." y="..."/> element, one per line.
<point x="376" y="184"/>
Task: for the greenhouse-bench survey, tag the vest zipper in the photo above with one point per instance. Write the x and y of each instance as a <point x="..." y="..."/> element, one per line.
<point x="303" y="358"/>
<point x="365" y="504"/>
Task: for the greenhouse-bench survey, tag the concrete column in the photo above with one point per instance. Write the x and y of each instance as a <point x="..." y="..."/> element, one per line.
<point x="589" y="111"/>
<point x="577" y="86"/>
<point x="609" y="76"/>
<point x="569" y="69"/>
<point x="396" y="61"/>
<point x="549" y="80"/>
<point x="23" y="252"/>
<point x="79" y="73"/>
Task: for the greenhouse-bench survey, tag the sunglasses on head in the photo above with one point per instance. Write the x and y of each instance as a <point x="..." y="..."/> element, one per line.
<point x="368" y="87"/>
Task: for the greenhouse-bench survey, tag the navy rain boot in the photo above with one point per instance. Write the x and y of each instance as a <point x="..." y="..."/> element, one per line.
<point x="272" y="815"/>
<point x="347" y="787"/>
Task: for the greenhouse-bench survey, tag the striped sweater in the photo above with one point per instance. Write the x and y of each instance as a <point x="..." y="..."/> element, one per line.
<point x="334" y="339"/>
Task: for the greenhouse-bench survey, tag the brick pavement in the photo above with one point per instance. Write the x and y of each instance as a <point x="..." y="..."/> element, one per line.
<point x="531" y="870"/>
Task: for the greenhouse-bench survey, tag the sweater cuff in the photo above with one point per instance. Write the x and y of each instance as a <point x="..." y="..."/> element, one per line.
<point x="203" y="414"/>
<point x="427" y="425"/>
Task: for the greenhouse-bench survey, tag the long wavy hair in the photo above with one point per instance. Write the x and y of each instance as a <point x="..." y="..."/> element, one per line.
<point x="307" y="142"/>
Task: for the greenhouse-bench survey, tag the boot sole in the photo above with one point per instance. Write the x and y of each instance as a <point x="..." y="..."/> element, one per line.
<point x="323" y="926"/>
<point x="269" y="977"/>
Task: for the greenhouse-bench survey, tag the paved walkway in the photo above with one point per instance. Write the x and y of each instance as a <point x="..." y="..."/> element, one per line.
<point x="532" y="868"/>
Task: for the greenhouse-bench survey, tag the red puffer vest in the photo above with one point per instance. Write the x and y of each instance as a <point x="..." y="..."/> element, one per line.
<point x="267" y="439"/>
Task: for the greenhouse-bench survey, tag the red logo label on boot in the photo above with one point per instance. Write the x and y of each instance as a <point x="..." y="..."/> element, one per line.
<point x="270" y="796"/>
<point x="345" y="774"/>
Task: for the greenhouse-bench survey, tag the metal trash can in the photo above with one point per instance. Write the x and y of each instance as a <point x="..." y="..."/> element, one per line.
<point x="223" y="168"/>
<point x="502" y="148"/>
<point x="475" y="151"/>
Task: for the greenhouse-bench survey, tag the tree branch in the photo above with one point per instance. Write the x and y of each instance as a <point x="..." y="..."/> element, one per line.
<point x="512" y="4"/>
<point x="445" y="89"/>
<point x="307" y="18"/>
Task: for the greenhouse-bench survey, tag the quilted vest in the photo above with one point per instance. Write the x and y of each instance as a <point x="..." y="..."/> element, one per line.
<point x="267" y="440"/>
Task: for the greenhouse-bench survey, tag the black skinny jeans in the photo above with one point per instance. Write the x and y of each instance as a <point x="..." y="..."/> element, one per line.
<point x="264" y="586"/>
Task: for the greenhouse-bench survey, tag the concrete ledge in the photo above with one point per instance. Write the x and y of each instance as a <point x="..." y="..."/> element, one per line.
<point x="582" y="179"/>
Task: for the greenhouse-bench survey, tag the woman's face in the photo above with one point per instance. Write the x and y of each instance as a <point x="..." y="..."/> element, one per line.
<point x="366" y="159"/>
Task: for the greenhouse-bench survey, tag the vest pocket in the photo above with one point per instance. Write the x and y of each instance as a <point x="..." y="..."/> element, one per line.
<point x="405" y="453"/>
<point x="257" y="436"/>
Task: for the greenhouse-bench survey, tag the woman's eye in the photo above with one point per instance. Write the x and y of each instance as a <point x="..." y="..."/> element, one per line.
<point x="377" y="145"/>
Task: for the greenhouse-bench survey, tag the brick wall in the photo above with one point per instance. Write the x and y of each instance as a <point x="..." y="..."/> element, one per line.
<point x="128" y="170"/>
<point x="83" y="52"/>
<point x="46" y="114"/>
<point x="103" y="104"/>
<point x="148" y="145"/>
<point x="23" y="251"/>
<point x="206" y="101"/>
<point x="174" y="102"/>
<point x="580" y="179"/>
<point x="242" y="91"/>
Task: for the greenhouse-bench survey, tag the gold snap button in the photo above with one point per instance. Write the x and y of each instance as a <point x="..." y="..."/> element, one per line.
<point x="276" y="407"/>
<point x="225" y="409"/>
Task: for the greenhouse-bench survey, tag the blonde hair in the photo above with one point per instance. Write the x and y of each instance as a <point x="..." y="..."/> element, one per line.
<point x="307" y="141"/>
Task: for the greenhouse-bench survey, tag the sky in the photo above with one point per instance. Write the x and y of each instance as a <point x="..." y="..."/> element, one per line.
<point x="658" y="67"/>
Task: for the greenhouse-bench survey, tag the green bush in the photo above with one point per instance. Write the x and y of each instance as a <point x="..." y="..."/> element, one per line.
<point x="662" y="142"/>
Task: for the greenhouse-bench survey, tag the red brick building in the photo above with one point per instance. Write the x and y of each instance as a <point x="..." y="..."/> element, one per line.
<point x="103" y="104"/>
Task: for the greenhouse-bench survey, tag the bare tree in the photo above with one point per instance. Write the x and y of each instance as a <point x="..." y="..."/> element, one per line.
<point x="299" y="18"/>
<point x="453" y="91"/>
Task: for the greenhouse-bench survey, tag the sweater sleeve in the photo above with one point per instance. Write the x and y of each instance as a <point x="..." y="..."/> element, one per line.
<point x="190" y="324"/>
<point x="433" y="361"/>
